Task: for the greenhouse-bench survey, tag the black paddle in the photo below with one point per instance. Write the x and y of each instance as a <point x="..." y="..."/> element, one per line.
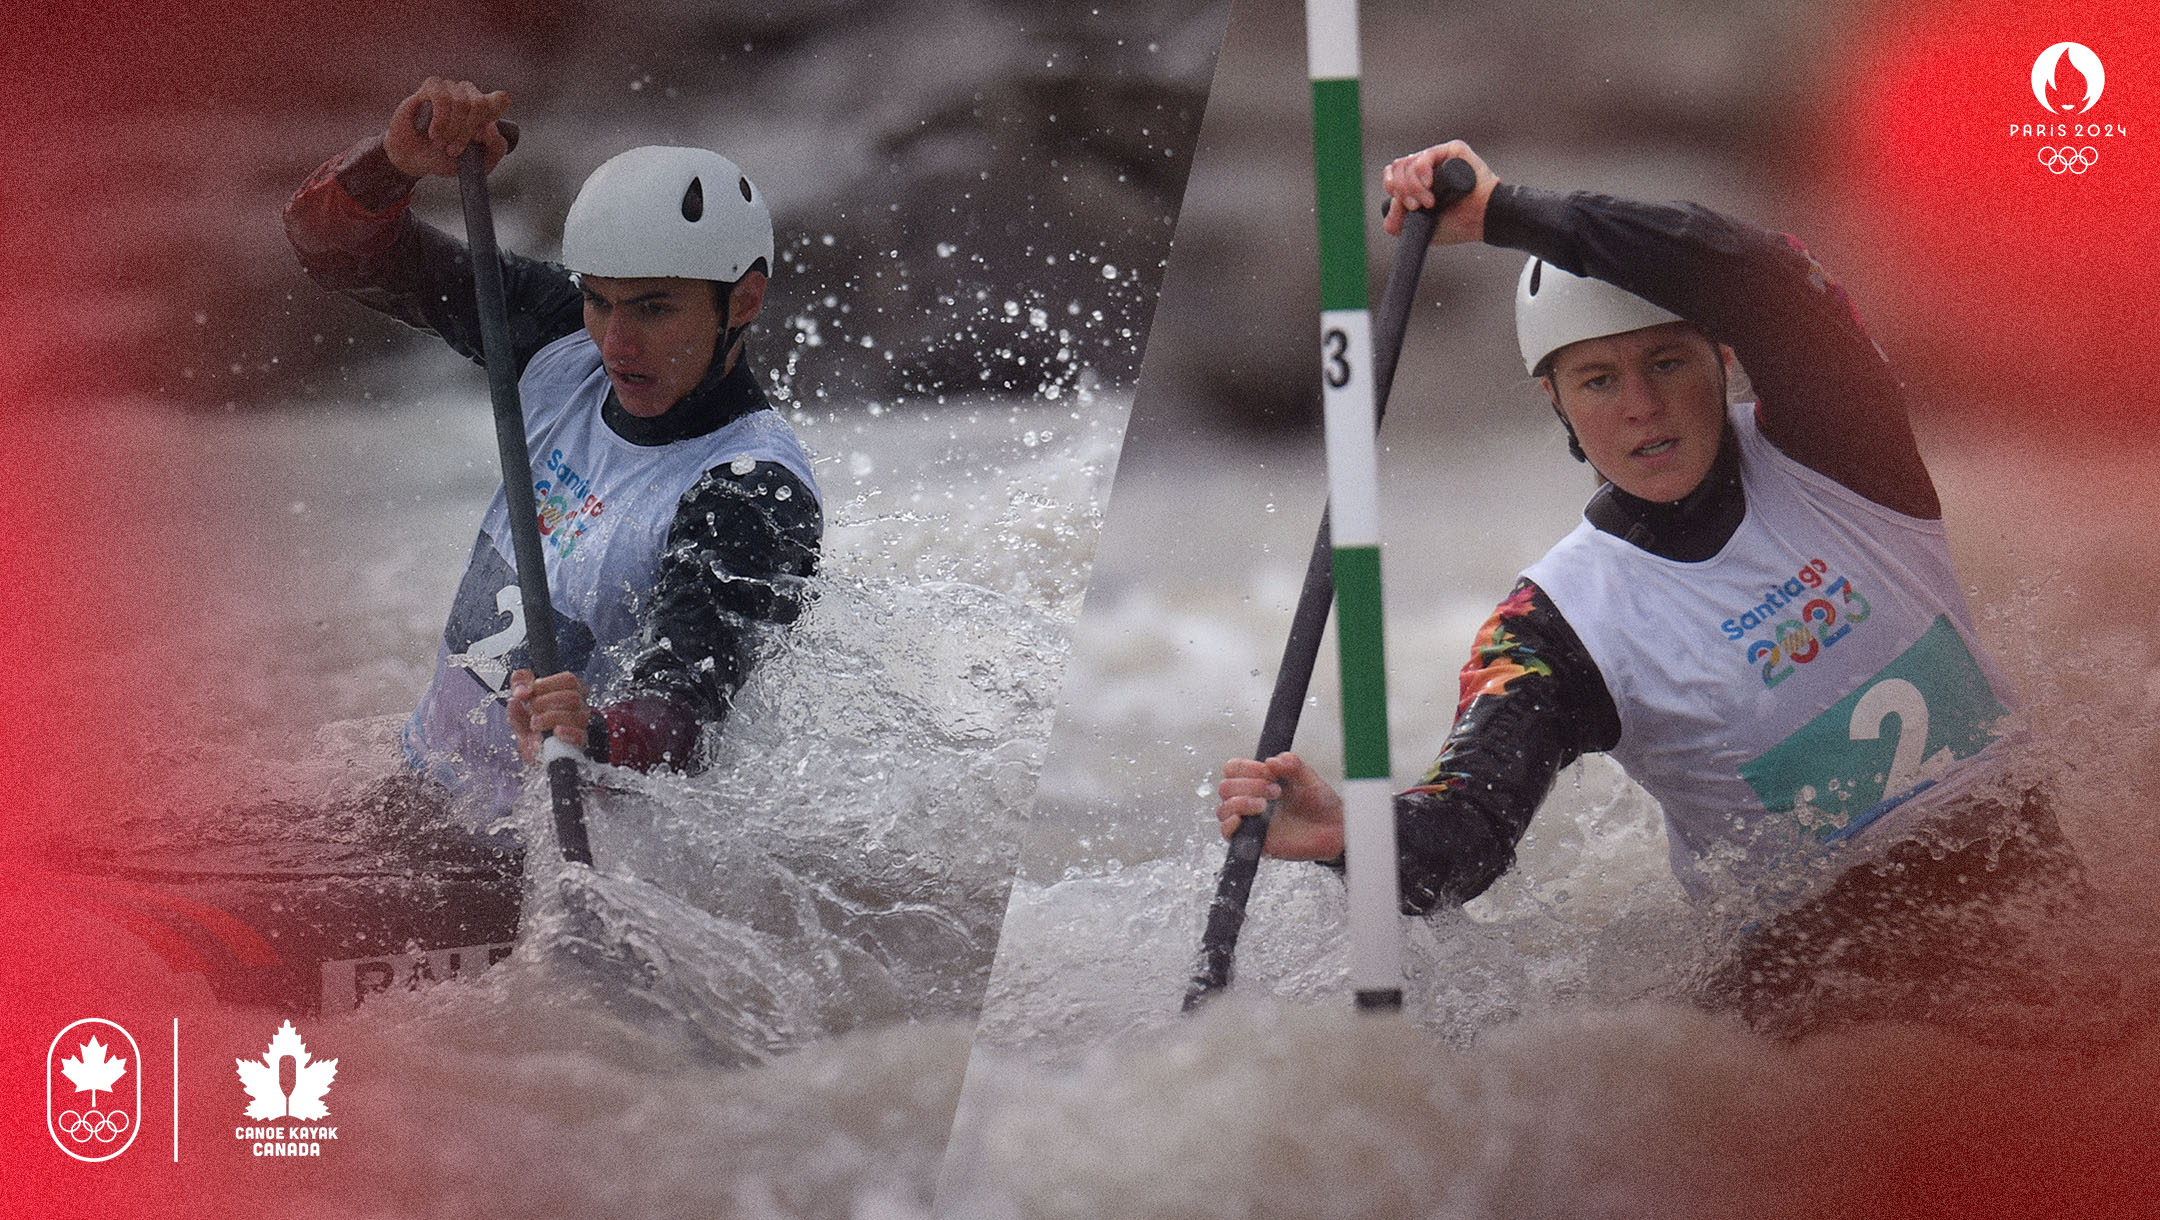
<point x="516" y="460"/>
<point x="1452" y="179"/>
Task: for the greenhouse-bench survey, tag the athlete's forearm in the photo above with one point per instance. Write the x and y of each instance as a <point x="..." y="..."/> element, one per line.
<point x="1827" y="396"/>
<point x="351" y="227"/>
<point x="1532" y="702"/>
<point x="737" y="566"/>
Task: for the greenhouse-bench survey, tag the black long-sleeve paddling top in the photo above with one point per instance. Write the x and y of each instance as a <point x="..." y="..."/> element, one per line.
<point x="1532" y="700"/>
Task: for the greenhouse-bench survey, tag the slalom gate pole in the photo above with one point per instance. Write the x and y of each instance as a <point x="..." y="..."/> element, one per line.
<point x="516" y="462"/>
<point x="1331" y="51"/>
<point x="1452" y="180"/>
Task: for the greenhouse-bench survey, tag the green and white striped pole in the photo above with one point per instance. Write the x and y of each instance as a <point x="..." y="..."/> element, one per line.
<point x="1346" y="370"/>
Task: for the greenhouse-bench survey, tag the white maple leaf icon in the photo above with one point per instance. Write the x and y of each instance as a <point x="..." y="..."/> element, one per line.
<point x="310" y="1079"/>
<point x="91" y="1071"/>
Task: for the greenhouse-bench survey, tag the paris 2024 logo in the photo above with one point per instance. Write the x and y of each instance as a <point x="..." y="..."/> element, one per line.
<point x="2067" y="79"/>
<point x="2061" y="97"/>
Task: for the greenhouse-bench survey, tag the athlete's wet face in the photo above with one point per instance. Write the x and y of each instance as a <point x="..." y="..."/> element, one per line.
<point x="1648" y="406"/>
<point x="655" y="336"/>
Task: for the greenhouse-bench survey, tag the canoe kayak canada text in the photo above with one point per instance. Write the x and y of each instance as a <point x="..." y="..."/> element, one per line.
<point x="285" y="1141"/>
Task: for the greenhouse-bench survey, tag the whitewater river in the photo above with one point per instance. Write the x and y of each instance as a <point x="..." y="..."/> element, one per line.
<point x="762" y="1004"/>
<point x="1548" y="1063"/>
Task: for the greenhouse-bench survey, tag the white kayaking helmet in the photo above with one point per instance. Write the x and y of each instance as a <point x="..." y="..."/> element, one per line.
<point x="658" y="211"/>
<point x="1554" y="308"/>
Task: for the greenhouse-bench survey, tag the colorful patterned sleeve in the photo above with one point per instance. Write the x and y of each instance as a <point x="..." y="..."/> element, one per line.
<point x="1532" y="702"/>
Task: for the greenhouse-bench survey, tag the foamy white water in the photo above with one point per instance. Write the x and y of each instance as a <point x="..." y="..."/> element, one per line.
<point x="1548" y="1062"/>
<point x="760" y="1003"/>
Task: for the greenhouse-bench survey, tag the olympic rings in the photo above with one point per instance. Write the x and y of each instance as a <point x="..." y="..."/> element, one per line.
<point x="2074" y="160"/>
<point x="104" y="1126"/>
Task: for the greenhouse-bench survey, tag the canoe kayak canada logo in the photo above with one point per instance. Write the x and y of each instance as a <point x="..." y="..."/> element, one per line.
<point x="2067" y="79"/>
<point x="269" y="1097"/>
<point x="93" y="1090"/>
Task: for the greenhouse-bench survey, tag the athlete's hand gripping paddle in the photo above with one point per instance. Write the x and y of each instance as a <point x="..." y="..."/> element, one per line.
<point x="562" y="758"/>
<point x="1452" y="179"/>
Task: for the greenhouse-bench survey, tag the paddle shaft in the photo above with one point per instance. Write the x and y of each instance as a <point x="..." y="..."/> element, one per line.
<point x="1452" y="180"/>
<point x="516" y="462"/>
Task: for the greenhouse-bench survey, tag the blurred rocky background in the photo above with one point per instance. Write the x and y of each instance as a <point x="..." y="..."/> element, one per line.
<point x="970" y="194"/>
<point x="1872" y="129"/>
<point x="980" y="194"/>
<point x="1652" y="98"/>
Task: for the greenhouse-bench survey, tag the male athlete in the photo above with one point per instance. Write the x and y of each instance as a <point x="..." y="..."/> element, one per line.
<point x="1757" y="617"/>
<point x="677" y="510"/>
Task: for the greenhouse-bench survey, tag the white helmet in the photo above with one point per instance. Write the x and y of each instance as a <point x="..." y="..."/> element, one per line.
<point x="657" y="211"/>
<point x="1554" y="308"/>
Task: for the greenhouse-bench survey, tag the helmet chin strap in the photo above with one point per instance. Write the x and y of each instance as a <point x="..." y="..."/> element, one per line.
<point x="724" y="342"/>
<point x="717" y="369"/>
<point x="1574" y="443"/>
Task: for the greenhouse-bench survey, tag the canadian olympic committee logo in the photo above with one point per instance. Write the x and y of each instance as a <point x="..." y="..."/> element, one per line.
<point x="2067" y="80"/>
<point x="97" y="1058"/>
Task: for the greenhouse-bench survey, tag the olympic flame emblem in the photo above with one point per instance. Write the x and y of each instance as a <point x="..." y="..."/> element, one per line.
<point x="93" y="1090"/>
<point x="2052" y="93"/>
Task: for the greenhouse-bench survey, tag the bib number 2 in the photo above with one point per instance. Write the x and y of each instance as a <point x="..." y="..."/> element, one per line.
<point x="1896" y="735"/>
<point x="485" y="656"/>
<point x="1899" y="698"/>
<point x="486" y="634"/>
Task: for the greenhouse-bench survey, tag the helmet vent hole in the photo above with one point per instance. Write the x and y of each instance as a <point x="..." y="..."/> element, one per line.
<point x="744" y="183"/>
<point x="693" y="201"/>
<point x="1537" y="273"/>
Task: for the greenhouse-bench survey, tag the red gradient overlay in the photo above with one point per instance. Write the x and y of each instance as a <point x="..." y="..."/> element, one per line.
<point x="83" y="597"/>
<point x="72" y="690"/>
<point x="2021" y="303"/>
<point x="2032" y="291"/>
<point x="91" y="90"/>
